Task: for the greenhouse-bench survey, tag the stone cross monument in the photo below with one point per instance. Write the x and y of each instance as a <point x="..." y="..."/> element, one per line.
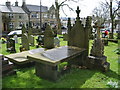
<point x="98" y="46"/>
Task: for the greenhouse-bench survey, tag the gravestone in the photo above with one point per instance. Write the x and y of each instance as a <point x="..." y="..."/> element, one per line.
<point x="118" y="34"/>
<point x="65" y="37"/>
<point x="97" y="60"/>
<point x="30" y="37"/>
<point x="15" y="38"/>
<point x="40" y="40"/>
<point x="11" y="45"/>
<point x="48" y="38"/>
<point x="69" y="31"/>
<point x="31" y="40"/>
<point x="56" y="42"/>
<point x="110" y="35"/>
<point x="25" y="40"/>
<point x="78" y="37"/>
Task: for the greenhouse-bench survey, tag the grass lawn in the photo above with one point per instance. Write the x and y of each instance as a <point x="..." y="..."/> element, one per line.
<point x="77" y="78"/>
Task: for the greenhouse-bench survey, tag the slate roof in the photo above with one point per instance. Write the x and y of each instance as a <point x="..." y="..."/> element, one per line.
<point x="11" y="9"/>
<point x="35" y="8"/>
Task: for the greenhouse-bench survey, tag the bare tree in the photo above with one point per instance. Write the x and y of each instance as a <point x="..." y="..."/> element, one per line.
<point x="59" y="6"/>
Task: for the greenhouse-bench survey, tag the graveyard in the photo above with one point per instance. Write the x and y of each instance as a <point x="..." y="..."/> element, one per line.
<point x="77" y="78"/>
<point x="77" y="61"/>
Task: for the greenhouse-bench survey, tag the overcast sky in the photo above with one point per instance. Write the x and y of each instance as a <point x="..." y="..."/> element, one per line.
<point x="86" y="6"/>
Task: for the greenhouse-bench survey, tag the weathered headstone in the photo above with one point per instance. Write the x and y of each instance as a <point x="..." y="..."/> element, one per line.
<point x="15" y="38"/>
<point x="97" y="60"/>
<point x="69" y="31"/>
<point x="77" y="33"/>
<point x="25" y="40"/>
<point x="78" y="37"/>
<point x="65" y="37"/>
<point x="48" y="38"/>
<point x="56" y="41"/>
<point x="11" y="45"/>
<point x="31" y="40"/>
<point x="30" y="37"/>
<point x="40" y="40"/>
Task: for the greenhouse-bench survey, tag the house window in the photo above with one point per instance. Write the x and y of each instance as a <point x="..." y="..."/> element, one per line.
<point x="34" y="15"/>
<point x="10" y="15"/>
<point x="11" y="25"/>
<point x="45" y="15"/>
<point x="20" y="17"/>
<point x="20" y="24"/>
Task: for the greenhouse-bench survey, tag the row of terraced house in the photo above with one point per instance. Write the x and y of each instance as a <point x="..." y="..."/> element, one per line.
<point x="13" y="17"/>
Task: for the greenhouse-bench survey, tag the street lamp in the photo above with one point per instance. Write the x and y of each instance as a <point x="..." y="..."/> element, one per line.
<point x="40" y="15"/>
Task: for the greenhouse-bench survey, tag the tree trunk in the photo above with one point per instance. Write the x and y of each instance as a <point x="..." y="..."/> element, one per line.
<point x="59" y="31"/>
<point x="112" y="28"/>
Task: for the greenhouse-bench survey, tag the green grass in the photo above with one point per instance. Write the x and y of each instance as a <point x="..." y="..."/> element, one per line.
<point x="77" y="78"/>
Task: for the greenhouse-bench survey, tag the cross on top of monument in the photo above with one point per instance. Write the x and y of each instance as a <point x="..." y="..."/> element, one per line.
<point x="97" y="25"/>
<point x="78" y="11"/>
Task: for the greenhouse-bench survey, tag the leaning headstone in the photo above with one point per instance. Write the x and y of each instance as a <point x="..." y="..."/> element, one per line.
<point x="48" y="38"/>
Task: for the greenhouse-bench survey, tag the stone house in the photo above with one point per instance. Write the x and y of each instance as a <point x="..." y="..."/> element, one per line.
<point x="12" y="17"/>
<point x="38" y="15"/>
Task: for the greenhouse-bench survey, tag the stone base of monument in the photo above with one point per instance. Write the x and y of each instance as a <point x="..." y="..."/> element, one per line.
<point x="105" y="42"/>
<point x="47" y="71"/>
<point x="98" y="63"/>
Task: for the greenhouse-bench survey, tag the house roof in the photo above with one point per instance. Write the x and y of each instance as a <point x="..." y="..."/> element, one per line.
<point x="35" y="8"/>
<point x="11" y="9"/>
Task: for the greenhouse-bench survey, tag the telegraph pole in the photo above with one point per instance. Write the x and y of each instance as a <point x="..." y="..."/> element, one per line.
<point x="40" y="15"/>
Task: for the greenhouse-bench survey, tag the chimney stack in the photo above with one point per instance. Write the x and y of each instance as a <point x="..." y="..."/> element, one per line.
<point x="16" y="3"/>
<point x="8" y="3"/>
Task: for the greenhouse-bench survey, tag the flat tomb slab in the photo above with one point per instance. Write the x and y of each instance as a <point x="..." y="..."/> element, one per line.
<point x="56" y="55"/>
<point x="21" y="58"/>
